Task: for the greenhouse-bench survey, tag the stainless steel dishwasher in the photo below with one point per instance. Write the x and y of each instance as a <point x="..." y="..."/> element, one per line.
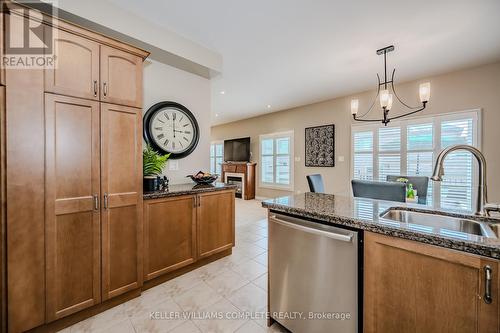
<point x="313" y="276"/>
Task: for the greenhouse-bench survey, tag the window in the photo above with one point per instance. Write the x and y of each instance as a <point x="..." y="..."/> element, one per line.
<point x="389" y="147"/>
<point x="363" y="155"/>
<point x="410" y="148"/>
<point x="420" y="153"/>
<point x="216" y="157"/>
<point x="276" y="156"/>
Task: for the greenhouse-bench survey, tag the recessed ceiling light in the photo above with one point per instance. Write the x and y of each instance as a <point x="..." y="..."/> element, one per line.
<point x="268" y="106"/>
<point x="222" y="92"/>
<point x="216" y="114"/>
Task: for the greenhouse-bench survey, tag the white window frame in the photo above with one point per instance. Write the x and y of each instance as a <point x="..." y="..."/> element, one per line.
<point x="436" y="119"/>
<point x="214" y="143"/>
<point x="275" y="186"/>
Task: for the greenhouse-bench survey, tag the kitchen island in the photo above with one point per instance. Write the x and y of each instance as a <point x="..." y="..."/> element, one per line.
<point x="186" y="226"/>
<point x="412" y="277"/>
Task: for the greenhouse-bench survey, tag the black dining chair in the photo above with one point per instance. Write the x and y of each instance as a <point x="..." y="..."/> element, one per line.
<point x="392" y="191"/>
<point x="420" y="183"/>
<point x="316" y="183"/>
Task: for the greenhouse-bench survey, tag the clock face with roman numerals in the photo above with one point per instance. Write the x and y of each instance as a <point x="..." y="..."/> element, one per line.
<point x="171" y="128"/>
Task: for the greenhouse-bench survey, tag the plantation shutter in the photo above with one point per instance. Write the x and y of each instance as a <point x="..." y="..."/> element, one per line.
<point x="363" y="155"/>
<point x="389" y="161"/>
<point x="419" y="161"/>
<point x="456" y="187"/>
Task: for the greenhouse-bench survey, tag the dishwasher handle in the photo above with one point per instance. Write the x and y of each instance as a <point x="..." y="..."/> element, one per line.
<point x="332" y="235"/>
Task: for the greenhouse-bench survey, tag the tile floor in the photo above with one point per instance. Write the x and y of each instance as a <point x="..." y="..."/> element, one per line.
<point x="234" y="287"/>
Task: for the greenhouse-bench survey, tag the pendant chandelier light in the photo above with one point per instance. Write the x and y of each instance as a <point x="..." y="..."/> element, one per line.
<point x="386" y="94"/>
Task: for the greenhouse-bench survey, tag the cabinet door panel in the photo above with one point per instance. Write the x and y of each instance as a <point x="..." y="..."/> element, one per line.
<point x="121" y="77"/>
<point x="422" y="288"/>
<point x="72" y="219"/>
<point x="77" y="66"/>
<point x="3" y="212"/>
<point x="2" y="69"/>
<point x="170" y="235"/>
<point x="215" y="220"/>
<point x="25" y="190"/>
<point x="121" y="158"/>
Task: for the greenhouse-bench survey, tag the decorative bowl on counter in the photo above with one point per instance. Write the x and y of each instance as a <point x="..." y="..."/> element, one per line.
<point x="203" y="177"/>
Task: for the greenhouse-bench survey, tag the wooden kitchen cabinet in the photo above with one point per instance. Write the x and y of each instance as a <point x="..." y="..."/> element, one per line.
<point x="76" y="72"/>
<point x="215" y="220"/>
<point x="64" y="253"/>
<point x="121" y="184"/>
<point x="71" y="205"/>
<point x="3" y="213"/>
<point x="121" y="77"/>
<point x="25" y="194"/>
<point x="413" y="287"/>
<point x="170" y="234"/>
<point x="180" y="230"/>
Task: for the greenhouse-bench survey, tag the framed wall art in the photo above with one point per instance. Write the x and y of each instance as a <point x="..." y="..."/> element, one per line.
<point x="320" y="146"/>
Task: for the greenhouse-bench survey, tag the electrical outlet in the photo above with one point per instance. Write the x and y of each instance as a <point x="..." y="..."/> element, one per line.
<point x="297" y="158"/>
<point x="341" y="159"/>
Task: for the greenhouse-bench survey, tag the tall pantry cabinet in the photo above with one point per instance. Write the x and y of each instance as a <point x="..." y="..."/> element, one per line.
<point x="73" y="177"/>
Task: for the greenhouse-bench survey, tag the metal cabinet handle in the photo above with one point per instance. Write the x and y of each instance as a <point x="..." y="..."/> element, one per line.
<point x="487" y="284"/>
<point x="95" y="88"/>
<point x="96" y="202"/>
<point x="105" y="200"/>
<point x="194" y="202"/>
<point x="105" y="89"/>
<point x="332" y="235"/>
<point x="199" y="202"/>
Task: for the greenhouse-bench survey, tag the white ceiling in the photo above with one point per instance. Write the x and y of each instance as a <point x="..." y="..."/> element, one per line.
<point x="287" y="53"/>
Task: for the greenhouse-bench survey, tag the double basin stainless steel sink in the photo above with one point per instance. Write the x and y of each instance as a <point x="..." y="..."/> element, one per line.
<point x="444" y="224"/>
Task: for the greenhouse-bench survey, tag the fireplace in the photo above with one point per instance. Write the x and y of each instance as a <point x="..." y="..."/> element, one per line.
<point x="242" y="174"/>
<point x="238" y="180"/>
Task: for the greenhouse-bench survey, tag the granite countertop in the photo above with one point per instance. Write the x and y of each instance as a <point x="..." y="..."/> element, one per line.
<point x="364" y="214"/>
<point x="186" y="189"/>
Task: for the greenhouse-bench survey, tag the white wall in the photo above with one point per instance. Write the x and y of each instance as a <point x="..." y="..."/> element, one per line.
<point x="166" y="83"/>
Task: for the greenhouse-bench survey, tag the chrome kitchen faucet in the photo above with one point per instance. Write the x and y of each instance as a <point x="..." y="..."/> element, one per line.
<point x="483" y="208"/>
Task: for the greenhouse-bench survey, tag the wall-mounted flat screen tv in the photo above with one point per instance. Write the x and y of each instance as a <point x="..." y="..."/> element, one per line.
<point x="237" y="150"/>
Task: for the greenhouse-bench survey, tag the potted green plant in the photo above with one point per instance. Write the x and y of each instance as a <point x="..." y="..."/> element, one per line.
<point x="411" y="193"/>
<point x="152" y="166"/>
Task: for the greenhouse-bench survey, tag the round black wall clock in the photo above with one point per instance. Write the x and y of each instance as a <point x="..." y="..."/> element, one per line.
<point x="170" y="127"/>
